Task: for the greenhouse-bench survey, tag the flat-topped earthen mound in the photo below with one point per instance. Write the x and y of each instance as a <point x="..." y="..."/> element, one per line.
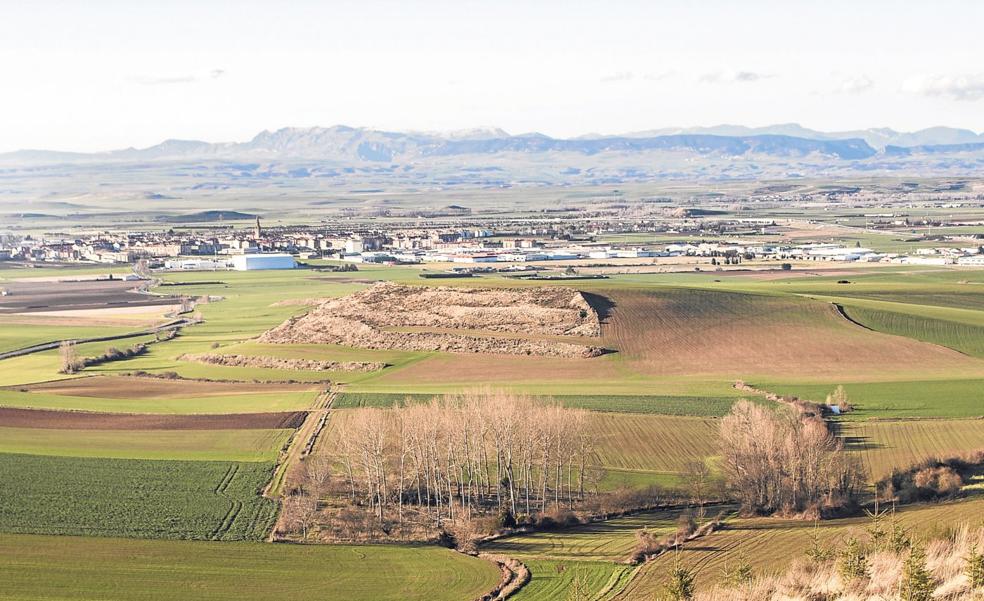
<point x="544" y="321"/>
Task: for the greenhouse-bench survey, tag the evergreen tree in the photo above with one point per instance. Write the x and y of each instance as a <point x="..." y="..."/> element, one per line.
<point x="818" y="552"/>
<point x="975" y="568"/>
<point x="917" y="582"/>
<point x="739" y="574"/>
<point x="853" y="562"/>
<point x="681" y="586"/>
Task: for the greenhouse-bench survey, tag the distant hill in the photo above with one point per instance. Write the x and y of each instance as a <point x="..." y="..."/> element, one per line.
<point x="206" y="216"/>
<point x="874" y="137"/>
<point x="343" y="143"/>
<point x="493" y="157"/>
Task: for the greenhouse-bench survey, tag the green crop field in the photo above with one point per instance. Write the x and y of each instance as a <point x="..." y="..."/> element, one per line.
<point x="612" y="540"/>
<point x="657" y="405"/>
<point x="952" y="398"/>
<point x="15" y="336"/>
<point x="649" y="443"/>
<point x="884" y="445"/>
<point x="129" y="497"/>
<point x="680" y="342"/>
<point x="187" y="445"/>
<point x="555" y="580"/>
<point x="963" y="337"/>
<point x="82" y="569"/>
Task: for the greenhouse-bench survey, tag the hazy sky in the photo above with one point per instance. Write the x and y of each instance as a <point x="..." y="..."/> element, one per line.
<point x="95" y="75"/>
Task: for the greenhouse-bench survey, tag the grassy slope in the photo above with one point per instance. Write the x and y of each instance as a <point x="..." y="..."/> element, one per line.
<point x="603" y="541"/>
<point x="769" y="545"/>
<point x="887" y="444"/>
<point x="189" y="445"/>
<point x="963" y="337"/>
<point x="68" y="568"/>
<point x="552" y="580"/>
<point x="128" y="497"/>
<point x="15" y="336"/>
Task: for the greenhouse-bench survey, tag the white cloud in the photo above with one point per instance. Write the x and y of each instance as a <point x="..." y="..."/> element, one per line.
<point x="854" y="84"/>
<point x="147" y="80"/>
<point x="727" y="77"/>
<point x="165" y="80"/>
<point x="658" y="76"/>
<point x="618" y="76"/>
<point x="955" y="87"/>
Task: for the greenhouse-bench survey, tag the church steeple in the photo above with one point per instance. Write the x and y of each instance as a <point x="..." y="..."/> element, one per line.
<point x="258" y="232"/>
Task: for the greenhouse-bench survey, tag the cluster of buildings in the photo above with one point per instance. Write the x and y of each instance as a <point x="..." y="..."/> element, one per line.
<point x="205" y="248"/>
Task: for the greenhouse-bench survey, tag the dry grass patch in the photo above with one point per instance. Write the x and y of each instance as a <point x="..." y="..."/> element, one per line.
<point x="769" y="545"/>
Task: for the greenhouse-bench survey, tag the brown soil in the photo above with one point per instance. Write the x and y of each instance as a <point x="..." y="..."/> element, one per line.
<point x="130" y="387"/>
<point x="362" y="320"/>
<point x="27" y="296"/>
<point x="81" y="420"/>
<point x="282" y="363"/>
<point x="688" y="332"/>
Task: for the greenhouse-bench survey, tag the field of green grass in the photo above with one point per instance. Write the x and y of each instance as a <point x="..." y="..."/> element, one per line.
<point x="683" y="338"/>
<point x="552" y="580"/>
<point x="963" y="337"/>
<point x="611" y="541"/>
<point x="15" y="336"/>
<point x="655" y="405"/>
<point x="185" y="445"/>
<point x="83" y="569"/>
<point x="884" y="445"/>
<point x="137" y="498"/>
<point x="953" y="398"/>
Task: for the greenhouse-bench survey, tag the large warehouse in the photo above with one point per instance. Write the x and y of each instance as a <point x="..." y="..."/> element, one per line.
<point x="264" y="261"/>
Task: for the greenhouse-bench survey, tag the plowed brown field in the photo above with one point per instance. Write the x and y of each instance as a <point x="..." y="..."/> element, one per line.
<point x="82" y="420"/>
<point x="698" y="332"/>
<point x="127" y="387"/>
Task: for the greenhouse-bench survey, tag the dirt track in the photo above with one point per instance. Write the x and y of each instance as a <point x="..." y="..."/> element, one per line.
<point x="80" y="420"/>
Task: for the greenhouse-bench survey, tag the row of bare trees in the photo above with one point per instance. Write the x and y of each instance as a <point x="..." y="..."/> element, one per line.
<point x="456" y="455"/>
<point x="781" y="461"/>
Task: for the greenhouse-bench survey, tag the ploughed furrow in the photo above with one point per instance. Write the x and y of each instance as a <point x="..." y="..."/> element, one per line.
<point x="227" y="479"/>
<point x="227" y="521"/>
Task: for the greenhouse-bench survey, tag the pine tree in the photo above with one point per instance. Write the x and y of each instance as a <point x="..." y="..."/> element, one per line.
<point x="917" y="582"/>
<point x="681" y="586"/>
<point x="818" y="552"/>
<point x="975" y="568"/>
<point x="578" y="590"/>
<point x="740" y="574"/>
<point x="898" y="537"/>
<point x="853" y="562"/>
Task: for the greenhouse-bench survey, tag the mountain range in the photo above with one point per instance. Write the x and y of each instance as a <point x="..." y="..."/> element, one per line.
<point x="348" y="144"/>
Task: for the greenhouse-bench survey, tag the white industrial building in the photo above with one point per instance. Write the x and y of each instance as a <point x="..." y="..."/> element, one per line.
<point x="263" y="261"/>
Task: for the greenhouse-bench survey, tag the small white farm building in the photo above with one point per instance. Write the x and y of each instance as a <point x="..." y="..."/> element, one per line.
<point x="263" y="261"/>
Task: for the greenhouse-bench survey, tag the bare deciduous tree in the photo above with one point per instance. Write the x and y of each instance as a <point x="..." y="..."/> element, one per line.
<point x="780" y="461"/>
<point x="69" y="356"/>
<point x="454" y="456"/>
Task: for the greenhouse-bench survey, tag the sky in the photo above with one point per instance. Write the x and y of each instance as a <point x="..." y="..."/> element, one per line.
<point x="98" y="74"/>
